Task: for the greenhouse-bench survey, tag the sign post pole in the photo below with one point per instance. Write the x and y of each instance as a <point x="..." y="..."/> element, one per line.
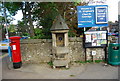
<point x="84" y="29"/>
<point x="93" y="16"/>
<point x="119" y="22"/>
<point x="119" y="33"/>
<point x="85" y="48"/>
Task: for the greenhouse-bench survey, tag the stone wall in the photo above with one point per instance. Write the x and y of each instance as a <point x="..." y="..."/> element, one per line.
<point x="36" y="50"/>
<point x="100" y="54"/>
<point x="40" y="50"/>
<point x="76" y="49"/>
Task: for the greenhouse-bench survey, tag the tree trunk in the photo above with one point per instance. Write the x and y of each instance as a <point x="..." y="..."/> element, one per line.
<point x="24" y="10"/>
<point x="30" y="20"/>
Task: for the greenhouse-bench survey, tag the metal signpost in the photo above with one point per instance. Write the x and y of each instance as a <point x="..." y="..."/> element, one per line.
<point x="95" y="39"/>
<point x="118" y="31"/>
<point x="101" y="15"/>
<point x="119" y="21"/>
<point x="93" y="16"/>
<point x="85" y="16"/>
<point x="6" y="26"/>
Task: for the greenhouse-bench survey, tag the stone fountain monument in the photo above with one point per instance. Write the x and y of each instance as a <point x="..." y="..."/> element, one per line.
<point x="60" y="48"/>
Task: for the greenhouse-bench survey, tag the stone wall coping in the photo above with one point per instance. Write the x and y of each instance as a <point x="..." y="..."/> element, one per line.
<point x="35" y="41"/>
<point x="75" y="39"/>
<point x="27" y="41"/>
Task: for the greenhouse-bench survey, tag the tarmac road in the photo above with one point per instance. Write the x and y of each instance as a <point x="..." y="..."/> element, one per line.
<point x="35" y="71"/>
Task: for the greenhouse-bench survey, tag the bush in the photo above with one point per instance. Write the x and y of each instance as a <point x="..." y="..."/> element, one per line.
<point x="71" y="33"/>
<point x="41" y="34"/>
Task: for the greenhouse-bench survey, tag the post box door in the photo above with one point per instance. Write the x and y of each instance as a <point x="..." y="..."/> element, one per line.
<point x="60" y="39"/>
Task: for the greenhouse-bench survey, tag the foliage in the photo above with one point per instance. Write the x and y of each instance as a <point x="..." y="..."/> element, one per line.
<point x="41" y="34"/>
<point x="50" y="63"/>
<point x="26" y="8"/>
<point x="25" y="34"/>
<point x="38" y="34"/>
<point x="12" y="28"/>
<point x="21" y="28"/>
<point x="1" y="22"/>
<point x="13" y="7"/>
<point x="44" y="14"/>
<point x="98" y="61"/>
<point x="89" y="61"/>
<point x="1" y="19"/>
<point x="68" y="11"/>
<point x="71" y="33"/>
<point x="72" y="75"/>
<point x="1" y="26"/>
<point x="2" y="15"/>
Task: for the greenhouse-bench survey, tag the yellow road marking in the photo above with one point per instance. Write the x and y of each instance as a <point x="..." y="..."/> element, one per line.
<point x="2" y="56"/>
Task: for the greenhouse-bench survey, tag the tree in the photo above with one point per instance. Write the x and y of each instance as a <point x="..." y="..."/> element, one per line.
<point x="26" y="7"/>
<point x="29" y="7"/>
<point x="44" y="14"/>
<point x="68" y="11"/>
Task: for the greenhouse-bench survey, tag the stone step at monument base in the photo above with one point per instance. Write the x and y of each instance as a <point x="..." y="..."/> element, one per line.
<point x="58" y="63"/>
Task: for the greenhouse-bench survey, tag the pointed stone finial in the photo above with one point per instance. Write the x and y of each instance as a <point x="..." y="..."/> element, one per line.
<point x="59" y="24"/>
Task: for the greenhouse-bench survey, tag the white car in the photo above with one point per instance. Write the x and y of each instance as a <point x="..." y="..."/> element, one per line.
<point x="4" y="44"/>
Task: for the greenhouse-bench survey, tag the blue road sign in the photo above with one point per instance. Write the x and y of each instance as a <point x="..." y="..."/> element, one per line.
<point x="92" y="16"/>
<point x="101" y="15"/>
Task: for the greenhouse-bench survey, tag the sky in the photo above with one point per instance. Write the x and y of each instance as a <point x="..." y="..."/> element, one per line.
<point x="119" y="8"/>
<point x="17" y="17"/>
<point x="112" y="11"/>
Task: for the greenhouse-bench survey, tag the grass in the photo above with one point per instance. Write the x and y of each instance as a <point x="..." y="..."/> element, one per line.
<point x="72" y="75"/>
<point x="50" y="63"/>
<point x="82" y="62"/>
<point x="98" y="61"/>
<point x="89" y="61"/>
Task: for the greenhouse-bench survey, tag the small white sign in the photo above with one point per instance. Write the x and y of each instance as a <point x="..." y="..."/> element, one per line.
<point x="88" y="37"/>
<point x="93" y="52"/>
<point x="104" y="36"/>
<point x="14" y="47"/>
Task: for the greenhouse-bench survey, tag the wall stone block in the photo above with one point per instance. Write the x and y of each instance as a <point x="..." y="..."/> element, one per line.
<point x="40" y="50"/>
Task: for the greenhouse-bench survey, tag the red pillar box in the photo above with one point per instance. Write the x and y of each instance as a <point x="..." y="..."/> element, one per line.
<point x="16" y="53"/>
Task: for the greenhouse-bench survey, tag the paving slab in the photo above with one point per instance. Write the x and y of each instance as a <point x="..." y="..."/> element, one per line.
<point x="49" y="73"/>
<point x="76" y="71"/>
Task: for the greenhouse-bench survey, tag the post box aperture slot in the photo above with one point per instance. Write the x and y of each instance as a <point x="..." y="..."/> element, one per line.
<point x="115" y="48"/>
<point x="13" y="42"/>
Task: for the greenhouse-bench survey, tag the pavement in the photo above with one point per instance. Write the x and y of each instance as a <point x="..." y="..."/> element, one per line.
<point x="45" y="71"/>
